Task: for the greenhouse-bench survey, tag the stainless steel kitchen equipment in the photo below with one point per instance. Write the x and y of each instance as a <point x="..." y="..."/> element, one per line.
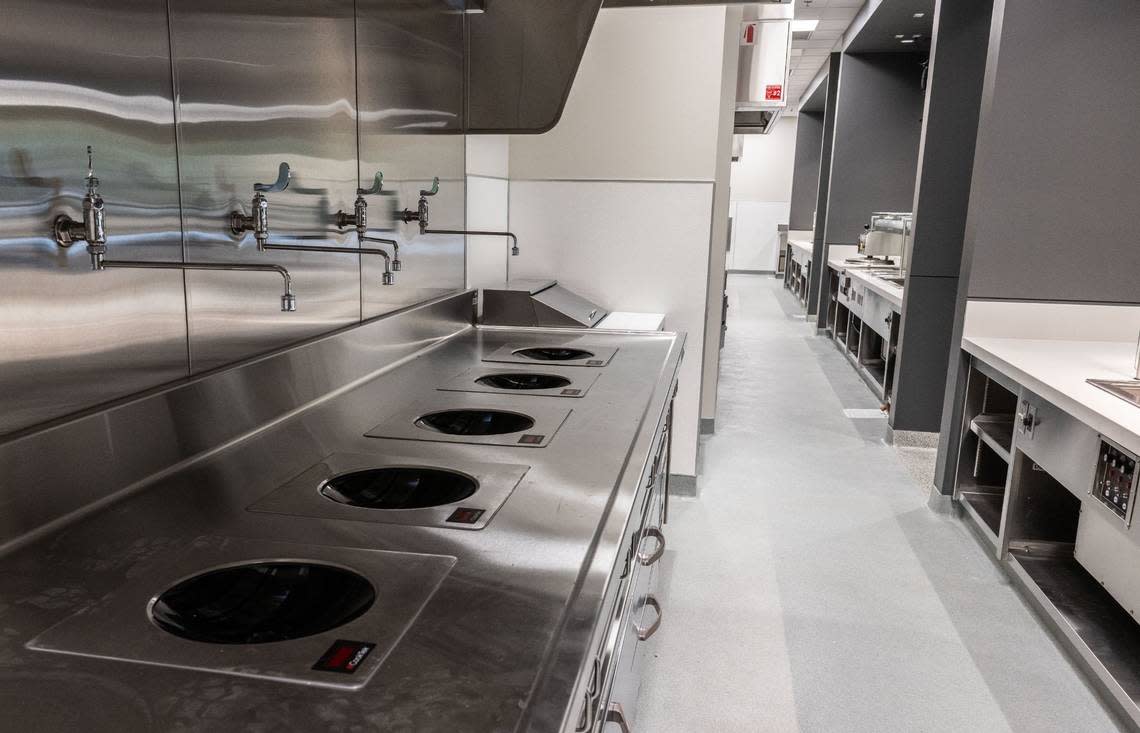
<point x="393" y="489"/>
<point x="276" y="611"/>
<point x="538" y="302"/>
<point x="887" y="235"/>
<point x="1053" y="500"/>
<point x="534" y="381"/>
<point x="542" y="579"/>
<point x="571" y="351"/>
<point x="457" y="417"/>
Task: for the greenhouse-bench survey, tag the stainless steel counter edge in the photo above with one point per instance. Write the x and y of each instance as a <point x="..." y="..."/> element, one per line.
<point x="892" y="293"/>
<point x="553" y="705"/>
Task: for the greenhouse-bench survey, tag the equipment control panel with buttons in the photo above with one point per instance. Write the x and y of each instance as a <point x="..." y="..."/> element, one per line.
<point x="1115" y="481"/>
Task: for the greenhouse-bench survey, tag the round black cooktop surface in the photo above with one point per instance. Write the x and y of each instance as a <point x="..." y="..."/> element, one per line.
<point x="400" y="488"/>
<point x="262" y="602"/>
<point x="475" y="422"/>
<point x="524" y="381"/>
<point x="550" y="353"/>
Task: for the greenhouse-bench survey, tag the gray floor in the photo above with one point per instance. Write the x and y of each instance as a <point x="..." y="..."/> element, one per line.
<point x="809" y="588"/>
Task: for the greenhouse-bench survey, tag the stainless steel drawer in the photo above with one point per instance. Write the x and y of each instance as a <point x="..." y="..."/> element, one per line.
<point x="877" y="313"/>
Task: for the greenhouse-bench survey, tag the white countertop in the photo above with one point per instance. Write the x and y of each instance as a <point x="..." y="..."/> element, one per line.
<point x="836" y="260"/>
<point x="1057" y="370"/>
<point x="630" y="321"/>
<point x="802" y="245"/>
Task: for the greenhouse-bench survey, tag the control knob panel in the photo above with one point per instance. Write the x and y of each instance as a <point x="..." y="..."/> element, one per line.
<point x="1115" y="481"/>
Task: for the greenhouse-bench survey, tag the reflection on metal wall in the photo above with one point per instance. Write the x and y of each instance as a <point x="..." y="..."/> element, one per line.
<point x="261" y="83"/>
<point x="257" y="84"/>
<point x="410" y="70"/>
<point x="74" y="74"/>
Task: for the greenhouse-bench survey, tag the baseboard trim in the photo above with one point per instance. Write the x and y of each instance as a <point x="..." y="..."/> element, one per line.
<point x="912" y="438"/>
<point x="750" y="272"/>
<point x="708" y="425"/>
<point x="940" y="503"/>
<point x="682" y="485"/>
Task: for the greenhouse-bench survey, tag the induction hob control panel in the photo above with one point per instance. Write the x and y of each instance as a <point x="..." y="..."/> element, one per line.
<point x="1115" y="481"/>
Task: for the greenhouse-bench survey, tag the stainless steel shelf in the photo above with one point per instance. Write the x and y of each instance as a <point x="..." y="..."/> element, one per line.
<point x="1102" y="635"/>
<point x="984" y="506"/>
<point x="996" y="431"/>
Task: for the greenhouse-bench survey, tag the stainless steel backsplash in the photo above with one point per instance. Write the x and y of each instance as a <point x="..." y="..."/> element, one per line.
<point x="187" y="103"/>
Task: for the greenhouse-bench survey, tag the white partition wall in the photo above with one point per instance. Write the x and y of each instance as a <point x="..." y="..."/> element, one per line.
<point x="616" y="201"/>
<point x="488" y="208"/>
<point x="761" y="197"/>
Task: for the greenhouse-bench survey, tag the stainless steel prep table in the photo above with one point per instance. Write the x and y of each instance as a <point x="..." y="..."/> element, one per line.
<point x="500" y="646"/>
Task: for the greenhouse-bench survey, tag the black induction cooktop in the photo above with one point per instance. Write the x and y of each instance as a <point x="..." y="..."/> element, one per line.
<point x="475" y="422"/>
<point x="262" y="602"/>
<point x="399" y="487"/>
<point x="554" y="353"/>
<point x="523" y="381"/>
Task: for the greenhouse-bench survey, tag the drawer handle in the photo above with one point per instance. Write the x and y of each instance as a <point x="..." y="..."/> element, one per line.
<point x="644" y="632"/>
<point x="653" y="557"/>
<point x="615" y="714"/>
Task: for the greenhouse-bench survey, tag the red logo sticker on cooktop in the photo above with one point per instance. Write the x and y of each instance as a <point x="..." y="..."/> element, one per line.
<point x="595" y="362"/>
<point x="531" y="439"/>
<point x="571" y="392"/>
<point x="465" y="515"/>
<point x="344" y="656"/>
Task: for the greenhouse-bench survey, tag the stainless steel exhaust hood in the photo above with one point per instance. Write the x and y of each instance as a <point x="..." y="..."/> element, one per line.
<point x="762" y="78"/>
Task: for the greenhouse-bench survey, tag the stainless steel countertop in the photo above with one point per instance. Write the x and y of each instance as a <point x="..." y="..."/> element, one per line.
<point x="497" y="648"/>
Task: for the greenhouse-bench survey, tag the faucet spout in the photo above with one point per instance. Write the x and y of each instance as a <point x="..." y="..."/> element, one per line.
<point x="288" y="299"/>
<point x="473" y="233"/>
<point x="395" y="261"/>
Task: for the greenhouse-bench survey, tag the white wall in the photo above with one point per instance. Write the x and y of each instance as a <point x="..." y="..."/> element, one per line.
<point x="761" y="196"/>
<point x="714" y="305"/>
<point x="644" y="106"/>
<point x="488" y="208"/>
<point x="616" y="201"/>
<point x="629" y="246"/>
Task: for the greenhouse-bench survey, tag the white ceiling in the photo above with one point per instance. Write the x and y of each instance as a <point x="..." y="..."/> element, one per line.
<point x="809" y="55"/>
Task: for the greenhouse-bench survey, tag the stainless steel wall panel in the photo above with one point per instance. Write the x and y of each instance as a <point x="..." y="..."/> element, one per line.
<point x="258" y="84"/>
<point x="433" y="263"/>
<point x="74" y="74"/>
<point x="410" y="66"/>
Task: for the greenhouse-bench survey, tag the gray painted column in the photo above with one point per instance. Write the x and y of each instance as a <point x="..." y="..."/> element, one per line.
<point x="819" y="249"/>
<point x="1053" y="205"/>
<point x="805" y="175"/>
<point x="941" y="202"/>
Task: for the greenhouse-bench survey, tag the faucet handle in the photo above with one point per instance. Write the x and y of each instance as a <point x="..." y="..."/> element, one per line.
<point x="284" y="174"/>
<point x="377" y="186"/>
<point x="434" y="188"/>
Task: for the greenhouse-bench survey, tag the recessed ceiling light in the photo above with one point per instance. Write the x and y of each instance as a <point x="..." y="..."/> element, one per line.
<point x="920" y="15"/>
<point x="917" y="35"/>
<point x="907" y="40"/>
<point x="899" y="35"/>
<point x="804" y="26"/>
